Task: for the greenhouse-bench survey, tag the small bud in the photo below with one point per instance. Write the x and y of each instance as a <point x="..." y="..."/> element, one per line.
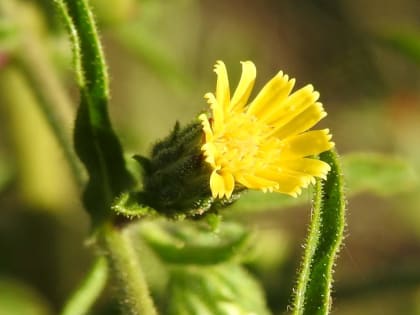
<point x="176" y="177"/>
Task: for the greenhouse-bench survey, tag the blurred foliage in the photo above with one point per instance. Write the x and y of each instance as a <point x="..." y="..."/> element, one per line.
<point x="222" y="289"/>
<point x="406" y="44"/>
<point x="378" y="174"/>
<point x="198" y="245"/>
<point x="18" y="298"/>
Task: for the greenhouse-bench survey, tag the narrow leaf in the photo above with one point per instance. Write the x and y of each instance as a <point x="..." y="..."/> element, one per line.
<point x="313" y="292"/>
<point x="95" y="141"/>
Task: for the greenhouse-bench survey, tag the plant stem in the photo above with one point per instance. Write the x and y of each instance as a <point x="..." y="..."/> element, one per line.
<point x="310" y="248"/>
<point x="84" y="297"/>
<point x="126" y="270"/>
<point x="313" y="292"/>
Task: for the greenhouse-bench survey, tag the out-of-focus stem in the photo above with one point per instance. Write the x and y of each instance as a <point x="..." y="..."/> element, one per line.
<point x="88" y="291"/>
<point x="34" y="61"/>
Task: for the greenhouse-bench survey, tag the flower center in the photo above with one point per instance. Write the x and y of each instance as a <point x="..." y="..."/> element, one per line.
<point x="240" y="145"/>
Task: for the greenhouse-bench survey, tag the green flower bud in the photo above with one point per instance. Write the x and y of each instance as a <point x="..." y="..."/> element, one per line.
<point x="176" y="177"/>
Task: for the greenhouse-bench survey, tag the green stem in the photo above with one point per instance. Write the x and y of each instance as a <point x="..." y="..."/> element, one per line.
<point x="126" y="270"/>
<point x="310" y="248"/>
<point x="313" y="293"/>
<point x="84" y="297"/>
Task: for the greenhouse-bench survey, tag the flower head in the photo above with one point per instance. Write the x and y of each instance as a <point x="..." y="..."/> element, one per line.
<point x="264" y="144"/>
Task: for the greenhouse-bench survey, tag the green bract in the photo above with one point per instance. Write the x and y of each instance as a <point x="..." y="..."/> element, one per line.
<point x="176" y="177"/>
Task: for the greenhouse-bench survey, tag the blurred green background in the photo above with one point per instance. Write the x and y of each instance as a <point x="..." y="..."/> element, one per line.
<point x="363" y="57"/>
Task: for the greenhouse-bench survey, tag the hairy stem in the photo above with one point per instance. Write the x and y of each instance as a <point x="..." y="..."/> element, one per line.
<point x="313" y="292"/>
<point x="126" y="270"/>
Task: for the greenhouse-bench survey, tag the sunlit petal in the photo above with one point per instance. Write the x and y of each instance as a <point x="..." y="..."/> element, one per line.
<point x="286" y="110"/>
<point x="222" y="86"/>
<point x="308" y="166"/>
<point x="229" y="183"/>
<point x="300" y="123"/>
<point x="217" y="185"/>
<point x="245" y="85"/>
<point x="306" y="144"/>
<point x="274" y="92"/>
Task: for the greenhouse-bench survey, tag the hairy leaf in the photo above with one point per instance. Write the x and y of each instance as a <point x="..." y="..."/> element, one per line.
<point x="95" y="141"/>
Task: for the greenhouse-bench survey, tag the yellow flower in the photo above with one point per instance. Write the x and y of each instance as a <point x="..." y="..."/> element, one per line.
<point x="265" y="144"/>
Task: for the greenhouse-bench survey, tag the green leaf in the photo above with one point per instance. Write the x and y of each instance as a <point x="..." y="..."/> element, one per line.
<point x="95" y="141"/>
<point x="313" y="292"/>
<point x="405" y="43"/>
<point x="377" y="173"/>
<point x="365" y="172"/>
<point x="195" y="243"/>
<point x="224" y="289"/>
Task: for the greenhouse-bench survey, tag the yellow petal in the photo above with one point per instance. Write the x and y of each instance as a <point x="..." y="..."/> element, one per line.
<point x="245" y="85"/>
<point x="291" y="107"/>
<point x="210" y="150"/>
<point x="255" y="182"/>
<point x="302" y="122"/>
<point x="217" y="111"/>
<point x="287" y="182"/>
<point x="221" y="184"/>
<point x="222" y="85"/>
<point x="229" y="183"/>
<point x="206" y="127"/>
<point x="309" y="143"/>
<point x="308" y="166"/>
<point x="217" y="185"/>
<point x="274" y="92"/>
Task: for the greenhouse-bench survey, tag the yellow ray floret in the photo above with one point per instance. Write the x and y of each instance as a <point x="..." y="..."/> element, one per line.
<point x="264" y="144"/>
